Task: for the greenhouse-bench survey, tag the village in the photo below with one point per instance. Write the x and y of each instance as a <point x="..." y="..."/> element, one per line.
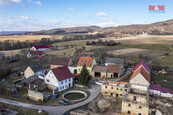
<point x="66" y="82"/>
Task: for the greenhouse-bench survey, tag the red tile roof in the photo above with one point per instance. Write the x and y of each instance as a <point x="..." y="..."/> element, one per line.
<point x="114" y="68"/>
<point x="62" y="73"/>
<point x="142" y="63"/>
<point x="44" y="46"/>
<point x="159" y="88"/>
<point x="142" y="71"/>
<point x="88" y="61"/>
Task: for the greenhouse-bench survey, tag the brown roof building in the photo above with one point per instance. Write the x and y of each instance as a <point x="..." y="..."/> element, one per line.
<point x="60" y="62"/>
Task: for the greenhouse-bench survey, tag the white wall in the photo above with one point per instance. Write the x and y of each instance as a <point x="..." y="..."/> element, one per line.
<point x="64" y="84"/>
<point x="159" y="93"/>
<point x="72" y="69"/>
<point x="139" y="80"/>
<point x="138" y="87"/>
<point x="51" y="79"/>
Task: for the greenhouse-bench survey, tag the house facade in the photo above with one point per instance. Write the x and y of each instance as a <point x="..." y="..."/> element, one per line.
<point x="34" y="70"/>
<point x="88" y="61"/>
<point x="59" y="78"/>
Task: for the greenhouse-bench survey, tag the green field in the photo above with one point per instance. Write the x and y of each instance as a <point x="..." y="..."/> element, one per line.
<point x="159" y="79"/>
<point x="163" y="47"/>
<point x="166" y="60"/>
<point x="22" y="110"/>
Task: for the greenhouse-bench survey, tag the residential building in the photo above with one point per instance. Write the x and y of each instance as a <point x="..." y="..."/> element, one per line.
<point x="110" y="71"/>
<point x="60" y="62"/>
<point x="34" y="70"/>
<point x="114" y="61"/>
<point x="142" y="64"/>
<point x="41" y="48"/>
<point x="90" y="62"/>
<point x="114" y="89"/>
<point x="59" y="78"/>
<point x="35" y="54"/>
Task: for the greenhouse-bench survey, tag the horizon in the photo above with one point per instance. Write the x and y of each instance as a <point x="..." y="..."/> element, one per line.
<point x="36" y="15"/>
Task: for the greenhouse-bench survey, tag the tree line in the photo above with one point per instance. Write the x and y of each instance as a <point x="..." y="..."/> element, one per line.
<point x="101" y="43"/>
<point x="13" y="44"/>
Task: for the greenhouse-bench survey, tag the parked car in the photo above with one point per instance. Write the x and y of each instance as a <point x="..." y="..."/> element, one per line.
<point x="55" y="96"/>
<point x="62" y="101"/>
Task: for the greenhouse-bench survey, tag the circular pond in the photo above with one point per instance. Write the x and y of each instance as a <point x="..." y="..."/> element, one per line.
<point x="75" y="95"/>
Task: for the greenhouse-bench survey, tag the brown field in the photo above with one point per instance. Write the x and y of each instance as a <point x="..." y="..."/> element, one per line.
<point x="26" y="37"/>
<point x="144" y="39"/>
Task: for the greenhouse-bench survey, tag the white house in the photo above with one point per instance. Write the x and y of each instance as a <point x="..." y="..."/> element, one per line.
<point x="35" y="54"/>
<point x="41" y="48"/>
<point x="61" y="78"/>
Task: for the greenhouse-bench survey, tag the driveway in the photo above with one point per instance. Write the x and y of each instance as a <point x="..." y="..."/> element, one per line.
<point x="58" y="110"/>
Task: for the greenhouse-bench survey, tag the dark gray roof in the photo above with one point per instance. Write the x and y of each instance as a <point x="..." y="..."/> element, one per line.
<point x="115" y="61"/>
<point x="30" y="79"/>
<point x="36" y="68"/>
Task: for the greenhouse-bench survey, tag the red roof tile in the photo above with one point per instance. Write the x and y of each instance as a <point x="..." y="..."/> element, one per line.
<point x="88" y="61"/>
<point x="62" y="73"/>
<point x="44" y="46"/>
<point x="142" y="71"/>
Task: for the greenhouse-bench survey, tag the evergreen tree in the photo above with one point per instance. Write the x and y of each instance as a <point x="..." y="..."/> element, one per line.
<point x="84" y="76"/>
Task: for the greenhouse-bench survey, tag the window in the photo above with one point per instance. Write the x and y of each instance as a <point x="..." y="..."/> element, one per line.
<point x="89" y="60"/>
<point x="125" y="89"/>
<point x="139" y="113"/>
<point x="69" y="79"/>
<point x="121" y="89"/>
<point x="140" y="107"/>
<point x="129" y="105"/>
<point x="85" y="60"/>
<point x="47" y="80"/>
<point x="105" y="86"/>
<point x="111" y="87"/>
<point x="134" y="98"/>
<point x="66" y="81"/>
<point x="120" y="94"/>
<point x="81" y="60"/>
<point x="128" y="112"/>
<point x="105" y="92"/>
<point x="117" y="88"/>
<point x="61" y="82"/>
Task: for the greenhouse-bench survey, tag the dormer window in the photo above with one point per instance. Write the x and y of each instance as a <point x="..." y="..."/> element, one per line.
<point x="85" y="60"/>
<point x="81" y="60"/>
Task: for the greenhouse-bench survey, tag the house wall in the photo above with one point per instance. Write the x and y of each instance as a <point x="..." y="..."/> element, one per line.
<point x="35" y="95"/>
<point x="28" y="72"/>
<point x="72" y="69"/>
<point x="102" y="74"/>
<point x="79" y="68"/>
<point x="113" y="91"/>
<point x="134" y="109"/>
<point x="159" y="93"/>
<point x="139" y="98"/>
<point x="51" y="79"/>
<point x="139" y="80"/>
<point x="65" y="84"/>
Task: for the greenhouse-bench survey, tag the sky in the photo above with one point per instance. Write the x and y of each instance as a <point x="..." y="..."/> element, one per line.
<point x="33" y="15"/>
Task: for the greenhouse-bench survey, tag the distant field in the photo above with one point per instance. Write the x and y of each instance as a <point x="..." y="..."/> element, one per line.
<point x="23" y="37"/>
<point x="163" y="47"/>
<point x="144" y="39"/>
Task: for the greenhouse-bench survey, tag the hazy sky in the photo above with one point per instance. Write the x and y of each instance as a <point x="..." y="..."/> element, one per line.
<point x="48" y="14"/>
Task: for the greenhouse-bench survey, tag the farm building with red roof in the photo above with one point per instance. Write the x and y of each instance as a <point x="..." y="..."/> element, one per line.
<point x="42" y="48"/>
<point x="59" y="78"/>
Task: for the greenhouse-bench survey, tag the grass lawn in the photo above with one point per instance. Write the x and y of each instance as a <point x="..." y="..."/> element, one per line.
<point x="166" y="60"/>
<point x="22" y="110"/>
<point x="163" y="47"/>
<point x="74" y="96"/>
<point x="159" y="79"/>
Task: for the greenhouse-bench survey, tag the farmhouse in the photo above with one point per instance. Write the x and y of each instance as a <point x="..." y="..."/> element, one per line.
<point x="35" y="54"/>
<point x="110" y="71"/>
<point x="88" y="61"/>
<point x="34" y="70"/>
<point x="59" y="78"/>
<point x="60" y="62"/>
<point x="114" y="61"/>
<point x="41" y="48"/>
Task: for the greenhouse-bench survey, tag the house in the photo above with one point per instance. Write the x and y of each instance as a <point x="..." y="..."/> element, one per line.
<point x="34" y="70"/>
<point x="143" y="65"/>
<point x="140" y="77"/>
<point x="59" y="78"/>
<point x="114" y="61"/>
<point x="41" y="48"/>
<point x="2" y="55"/>
<point x="160" y="91"/>
<point x="35" y="54"/>
<point x="34" y="82"/>
<point x="114" y="89"/>
<point x="109" y="71"/>
<point x="60" y="62"/>
<point x="73" y="68"/>
<point x="90" y="62"/>
<point x="37" y="96"/>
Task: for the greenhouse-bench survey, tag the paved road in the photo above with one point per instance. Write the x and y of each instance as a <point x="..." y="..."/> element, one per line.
<point x="57" y="110"/>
